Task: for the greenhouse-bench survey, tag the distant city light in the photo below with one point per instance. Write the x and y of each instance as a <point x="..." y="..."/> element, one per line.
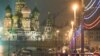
<point x="75" y="7"/>
<point x="1" y="28"/>
<point x="1" y="50"/>
<point x="64" y="49"/>
<point x="57" y="31"/>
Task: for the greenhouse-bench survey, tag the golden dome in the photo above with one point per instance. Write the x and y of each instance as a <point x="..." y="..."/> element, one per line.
<point x="26" y="9"/>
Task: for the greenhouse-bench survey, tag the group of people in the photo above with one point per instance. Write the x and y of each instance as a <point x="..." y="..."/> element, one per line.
<point x="22" y="52"/>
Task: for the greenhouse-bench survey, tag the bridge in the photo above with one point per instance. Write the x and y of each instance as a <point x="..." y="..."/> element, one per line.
<point x="38" y="44"/>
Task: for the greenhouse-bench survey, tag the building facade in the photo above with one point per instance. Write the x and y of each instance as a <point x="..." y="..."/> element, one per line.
<point x="93" y="37"/>
<point x="24" y="24"/>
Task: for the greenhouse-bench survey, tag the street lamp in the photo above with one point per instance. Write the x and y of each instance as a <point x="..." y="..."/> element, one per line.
<point x="1" y="28"/>
<point x="82" y="29"/>
<point x="57" y="34"/>
<point x="57" y="31"/>
<point x="75" y="7"/>
<point x="1" y="50"/>
<point x="72" y="24"/>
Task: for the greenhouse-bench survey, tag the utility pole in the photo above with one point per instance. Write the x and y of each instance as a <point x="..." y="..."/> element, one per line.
<point x="82" y="30"/>
<point x="8" y="46"/>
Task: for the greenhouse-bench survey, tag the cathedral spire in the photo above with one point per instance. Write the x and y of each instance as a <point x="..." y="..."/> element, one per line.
<point x="19" y="5"/>
<point x="35" y="12"/>
<point x="35" y="19"/>
<point x="20" y="0"/>
<point x="8" y="9"/>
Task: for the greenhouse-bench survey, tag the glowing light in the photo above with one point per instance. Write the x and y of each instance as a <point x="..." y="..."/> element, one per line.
<point x="64" y="49"/>
<point x="75" y="7"/>
<point x="91" y="5"/>
<point x="92" y="22"/>
<point x="1" y="50"/>
<point x="1" y="28"/>
<point x="76" y="34"/>
<point x="57" y="31"/>
<point x="70" y="33"/>
<point x="93" y="12"/>
<point x="92" y="26"/>
<point x="72" y="23"/>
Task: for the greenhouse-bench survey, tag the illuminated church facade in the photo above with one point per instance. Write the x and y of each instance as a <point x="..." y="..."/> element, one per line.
<point x="24" y="24"/>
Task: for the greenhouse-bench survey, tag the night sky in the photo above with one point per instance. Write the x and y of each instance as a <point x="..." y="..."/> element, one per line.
<point x="58" y="8"/>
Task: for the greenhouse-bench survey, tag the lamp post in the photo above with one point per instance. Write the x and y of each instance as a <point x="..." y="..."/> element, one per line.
<point x="1" y="46"/>
<point x="57" y="34"/>
<point x="82" y="29"/>
<point x="57" y="31"/>
<point x="72" y="31"/>
<point x="72" y="23"/>
<point x="9" y="46"/>
<point x="75" y="7"/>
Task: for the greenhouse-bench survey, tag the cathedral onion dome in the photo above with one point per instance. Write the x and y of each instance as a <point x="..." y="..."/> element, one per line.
<point x="35" y="11"/>
<point x="20" y="2"/>
<point x="26" y="11"/>
<point x="8" y="11"/>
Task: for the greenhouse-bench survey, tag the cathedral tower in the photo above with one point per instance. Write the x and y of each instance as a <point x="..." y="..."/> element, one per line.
<point x="7" y="21"/>
<point x="26" y="11"/>
<point x="19" y="5"/>
<point x="35" y="19"/>
<point x="48" y="28"/>
<point x="8" y="18"/>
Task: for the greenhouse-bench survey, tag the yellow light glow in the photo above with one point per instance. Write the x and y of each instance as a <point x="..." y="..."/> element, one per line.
<point x="72" y="23"/>
<point x="1" y="28"/>
<point x="57" y="31"/>
<point x="64" y="51"/>
<point x="1" y="50"/>
<point x="64" y="48"/>
<point x="70" y="34"/>
<point x="75" y="7"/>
